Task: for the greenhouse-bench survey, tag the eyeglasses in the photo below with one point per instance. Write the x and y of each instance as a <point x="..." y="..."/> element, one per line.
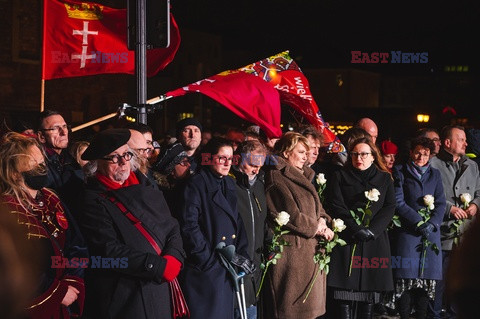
<point x="144" y="150"/>
<point x="435" y="139"/>
<point x="224" y="159"/>
<point x="58" y="128"/>
<point x="116" y="158"/>
<point x="361" y="155"/>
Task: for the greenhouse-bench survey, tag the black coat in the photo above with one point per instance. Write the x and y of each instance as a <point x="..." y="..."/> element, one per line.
<point x="252" y="207"/>
<point x="65" y="177"/>
<point x="206" y="218"/>
<point x="137" y="291"/>
<point x="346" y="192"/>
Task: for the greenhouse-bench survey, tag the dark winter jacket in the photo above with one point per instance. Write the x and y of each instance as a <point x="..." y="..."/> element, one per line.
<point x="133" y="287"/>
<point x="252" y="207"/>
<point x="208" y="215"/>
<point x="407" y="241"/>
<point x="346" y="192"/>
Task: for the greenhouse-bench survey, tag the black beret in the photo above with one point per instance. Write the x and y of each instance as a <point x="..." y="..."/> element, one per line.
<point x="186" y="122"/>
<point x="171" y="157"/>
<point x="106" y="142"/>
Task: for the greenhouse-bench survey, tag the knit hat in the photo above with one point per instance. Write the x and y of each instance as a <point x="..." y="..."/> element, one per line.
<point x="171" y="157"/>
<point x="106" y="142"/>
<point x="388" y="148"/>
<point x="186" y="122"/>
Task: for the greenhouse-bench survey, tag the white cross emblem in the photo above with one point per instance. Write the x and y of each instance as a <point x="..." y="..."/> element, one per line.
<point x="84" y="33"/>
<point x="84" y="56"/>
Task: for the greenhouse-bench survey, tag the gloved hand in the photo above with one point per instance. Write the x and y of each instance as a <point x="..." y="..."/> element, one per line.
<point x="243" y="263"/>
<point x="363" y="235"/>
<point x="425" y="229"/>
<point x="172" y="268"/>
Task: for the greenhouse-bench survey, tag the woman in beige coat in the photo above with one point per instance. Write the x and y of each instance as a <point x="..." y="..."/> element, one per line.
<point x="289" y="188"/>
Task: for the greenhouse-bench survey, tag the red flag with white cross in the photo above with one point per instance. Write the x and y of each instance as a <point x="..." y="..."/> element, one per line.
<point x="86" y="38"/>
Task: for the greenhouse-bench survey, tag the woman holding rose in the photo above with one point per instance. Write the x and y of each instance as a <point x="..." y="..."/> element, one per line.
<point x="357" y="273"/>
<point x="289" y="189"/>
<point x="418" y="188"/>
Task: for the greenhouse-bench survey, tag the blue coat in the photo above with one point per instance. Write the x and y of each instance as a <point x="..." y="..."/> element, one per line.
<point x="206" y="218"/>
<point x="406" y="242"/>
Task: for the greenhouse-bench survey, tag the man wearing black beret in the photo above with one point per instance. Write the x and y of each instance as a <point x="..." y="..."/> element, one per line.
<point x="129" y="228"/>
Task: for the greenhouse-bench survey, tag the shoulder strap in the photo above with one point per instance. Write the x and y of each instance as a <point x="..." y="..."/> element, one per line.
<point x="136" y="222"/>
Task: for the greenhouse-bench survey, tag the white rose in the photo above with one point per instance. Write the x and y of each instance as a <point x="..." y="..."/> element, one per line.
<point x="282" y="218"/>
<point x="428" y="200"/>
<point x="466" y="198"/>
<point x="431" y="206"/>
<point x="321" y="179"/>
<point x="338" y="225"/>
<point x="372" y="195"/>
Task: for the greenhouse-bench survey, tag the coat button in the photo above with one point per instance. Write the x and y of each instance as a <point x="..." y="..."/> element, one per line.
<point x="233" y="236"/>
<point x="150" y="266"/>
<point x="223" y="237"/>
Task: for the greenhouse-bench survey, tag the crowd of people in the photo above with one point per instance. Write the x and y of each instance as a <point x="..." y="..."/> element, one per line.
<point x="239" y="225"/>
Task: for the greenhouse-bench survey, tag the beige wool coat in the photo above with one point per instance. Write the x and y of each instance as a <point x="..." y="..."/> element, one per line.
<point x="288" y="189"/>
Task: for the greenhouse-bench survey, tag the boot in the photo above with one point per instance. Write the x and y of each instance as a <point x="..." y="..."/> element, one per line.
<point x="366" y="310"/>
<point x="345" y="311"/>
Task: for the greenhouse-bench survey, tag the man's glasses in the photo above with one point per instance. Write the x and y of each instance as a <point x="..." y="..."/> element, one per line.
<point x="361" y="155"/>
<point x="58" y="128"/>
<point x="116" y="158"/>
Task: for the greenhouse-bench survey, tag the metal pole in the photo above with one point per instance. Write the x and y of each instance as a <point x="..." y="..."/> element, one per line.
<point x="141" y="61"/>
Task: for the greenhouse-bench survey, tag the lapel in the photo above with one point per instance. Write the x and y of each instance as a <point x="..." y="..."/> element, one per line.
<point x="214" y="192"/>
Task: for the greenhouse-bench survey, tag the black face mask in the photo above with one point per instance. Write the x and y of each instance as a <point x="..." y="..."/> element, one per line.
<point x="36" y="181"/>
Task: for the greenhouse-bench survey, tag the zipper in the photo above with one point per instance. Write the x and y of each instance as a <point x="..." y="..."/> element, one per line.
<point x="253" y="223"/>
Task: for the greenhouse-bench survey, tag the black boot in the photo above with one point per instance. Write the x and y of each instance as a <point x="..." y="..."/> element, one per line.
<point x="365" y="310"/>
<point x="345" y="311"/>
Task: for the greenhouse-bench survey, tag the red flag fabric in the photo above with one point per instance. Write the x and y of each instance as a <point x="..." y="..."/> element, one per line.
<point x="284" y="74"/>
<point x="86" y="38"/>
<point x="246" y="95"/>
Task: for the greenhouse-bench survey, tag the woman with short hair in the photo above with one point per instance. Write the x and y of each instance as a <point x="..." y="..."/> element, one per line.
<point x="289" y="188"/>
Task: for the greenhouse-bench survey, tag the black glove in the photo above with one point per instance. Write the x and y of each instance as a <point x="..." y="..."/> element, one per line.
<point x="243" y="263"/>
<point x="425" y="229"/>
<point x="363" y="234"/>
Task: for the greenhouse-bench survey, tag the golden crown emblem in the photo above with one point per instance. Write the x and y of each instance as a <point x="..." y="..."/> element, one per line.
<point x="85" y="11"/>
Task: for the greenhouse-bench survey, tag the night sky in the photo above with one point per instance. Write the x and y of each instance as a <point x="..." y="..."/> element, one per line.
<point x="322" y="33"/>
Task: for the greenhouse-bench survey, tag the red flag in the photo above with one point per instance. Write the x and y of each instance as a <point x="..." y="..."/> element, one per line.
<point x="281" y="71"/>
<point x="86" y="38"/>
<point x="246" y="95"/>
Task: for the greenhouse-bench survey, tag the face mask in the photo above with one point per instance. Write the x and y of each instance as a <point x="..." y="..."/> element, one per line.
<point x="36" y="182"/>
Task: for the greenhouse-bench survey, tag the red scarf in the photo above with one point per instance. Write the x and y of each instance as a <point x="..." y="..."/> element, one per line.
<point x="110" y="184"/>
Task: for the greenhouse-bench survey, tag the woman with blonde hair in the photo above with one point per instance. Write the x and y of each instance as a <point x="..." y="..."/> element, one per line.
<point x="289" y="188"/>
<point x="47" y="224"/>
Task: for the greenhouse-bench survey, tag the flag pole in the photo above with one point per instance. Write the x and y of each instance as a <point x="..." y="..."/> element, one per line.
<point x="42" y="84"/>
<point x="100" y="119"/>
<point x="141" y="61"/>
